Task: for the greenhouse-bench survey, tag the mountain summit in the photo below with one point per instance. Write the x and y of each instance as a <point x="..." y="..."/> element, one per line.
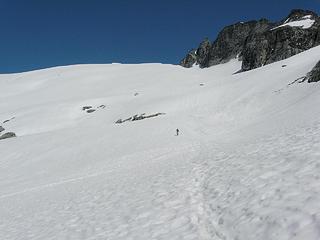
<point x="258" y="43"/>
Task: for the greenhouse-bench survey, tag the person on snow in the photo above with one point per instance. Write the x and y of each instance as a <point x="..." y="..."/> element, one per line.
<point x="177" y="131"/>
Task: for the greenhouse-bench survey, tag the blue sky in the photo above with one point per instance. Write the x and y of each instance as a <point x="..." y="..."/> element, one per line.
<point x="43" y="33"/>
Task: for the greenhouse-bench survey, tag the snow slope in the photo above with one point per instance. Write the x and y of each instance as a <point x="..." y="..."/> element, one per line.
<point x="245" y="166"/>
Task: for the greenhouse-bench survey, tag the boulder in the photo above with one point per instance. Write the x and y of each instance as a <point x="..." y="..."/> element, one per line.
<point x="8" y="135"/>
<point x="86" y="108"/>
<point x="119" y="121"/>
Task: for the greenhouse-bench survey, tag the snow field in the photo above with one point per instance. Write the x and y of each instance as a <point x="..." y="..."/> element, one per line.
<point x="245" y="166"/>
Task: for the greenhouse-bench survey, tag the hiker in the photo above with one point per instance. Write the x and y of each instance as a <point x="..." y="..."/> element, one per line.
<point x="177" y="130"/>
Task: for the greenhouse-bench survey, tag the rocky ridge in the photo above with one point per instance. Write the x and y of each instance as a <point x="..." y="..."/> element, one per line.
<point x="258" y="43"/>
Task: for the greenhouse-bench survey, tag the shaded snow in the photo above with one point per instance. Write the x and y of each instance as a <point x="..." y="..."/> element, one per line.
<point x="245" y="166"/>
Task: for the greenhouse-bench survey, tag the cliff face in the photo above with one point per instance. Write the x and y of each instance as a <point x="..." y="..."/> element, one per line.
<point x="283" y="41"/>
<point x="259" y="43"/>
<point x="229" y="44"/>
<point x="230" y="41"/>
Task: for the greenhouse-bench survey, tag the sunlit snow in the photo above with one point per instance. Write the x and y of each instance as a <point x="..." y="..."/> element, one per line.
<point x="305" y="23"/>
<point x="246" y="164"/>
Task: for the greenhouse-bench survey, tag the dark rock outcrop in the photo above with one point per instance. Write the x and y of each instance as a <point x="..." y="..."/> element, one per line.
<point x="203" y="52"/>
<point x="86" y="108"/>
<point x="138" y="117"/>
<point x="231" y="40"/>
<point x="7" y="135"/>
<point x="314" y="75"/>
<point x="91" y="110"/>
<point x="190" y="59"/>
<point x="228" y="45"/>
<point x="258" y="43"/>
<point x="1" y="129"/>
<point x="280" y="42"/>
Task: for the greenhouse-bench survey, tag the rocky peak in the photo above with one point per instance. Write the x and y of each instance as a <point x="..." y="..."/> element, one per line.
<point x="228" y="44"/>
<point x="205" y="43"/>
<point x="190" y="59"/>
<point x="300" y="18"/>
<point x="259" y="42"/>
<point x="203" y="51"/>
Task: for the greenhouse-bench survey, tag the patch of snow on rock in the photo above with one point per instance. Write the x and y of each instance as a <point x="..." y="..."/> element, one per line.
<point x="305" y="22"/>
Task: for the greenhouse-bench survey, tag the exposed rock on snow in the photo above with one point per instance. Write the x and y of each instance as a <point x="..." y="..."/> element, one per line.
<point x="7" y="135"/>
<point x="91" y="110"/>
<point x="138" y="117"/>
<point x="259" y="43"/>
<point x="8" y="120"/>
<point x="86" y="108"/>
<point x="314" y="75"/>
<point x="1" y="129"/>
